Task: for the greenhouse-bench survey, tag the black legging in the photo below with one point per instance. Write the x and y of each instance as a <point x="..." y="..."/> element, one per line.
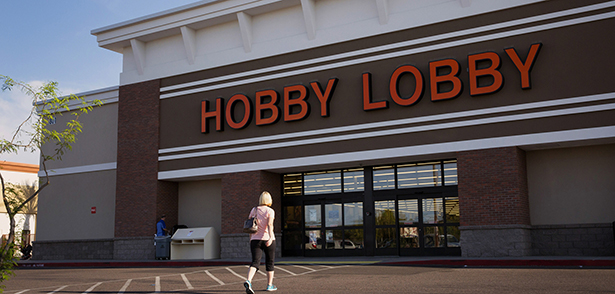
<point x="256" y="246"/>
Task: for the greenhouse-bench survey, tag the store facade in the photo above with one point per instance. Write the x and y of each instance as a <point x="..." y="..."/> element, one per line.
<point x="472" y="128"/>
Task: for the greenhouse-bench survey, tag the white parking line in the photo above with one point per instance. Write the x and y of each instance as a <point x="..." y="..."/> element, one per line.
<point x="125" y="286"/>
<point x="59" y="289"/>
<point x="235" y="270"/>
<point x="187" y="282"/>
<point x="281" y="268"/>
<point x="92" y="288"/>
<point x="214" y="278"/>
<point x="236" y="274"/>
<point x="305" y="267"/>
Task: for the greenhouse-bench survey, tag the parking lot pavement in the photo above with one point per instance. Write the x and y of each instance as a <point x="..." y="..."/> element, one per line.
<point x="309" y="278"/>
<point x="145" y="280"/>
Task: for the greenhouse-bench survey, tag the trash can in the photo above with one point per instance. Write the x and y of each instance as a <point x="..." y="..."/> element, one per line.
<point x="163" y="247"/>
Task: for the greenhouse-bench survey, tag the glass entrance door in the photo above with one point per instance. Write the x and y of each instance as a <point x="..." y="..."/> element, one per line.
<point x="333" y="229"/>
<point x="400" y="209"/>
<point x="417" y="224"/>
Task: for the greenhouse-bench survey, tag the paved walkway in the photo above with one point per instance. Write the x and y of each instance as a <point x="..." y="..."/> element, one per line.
<point x="526" y="261"/>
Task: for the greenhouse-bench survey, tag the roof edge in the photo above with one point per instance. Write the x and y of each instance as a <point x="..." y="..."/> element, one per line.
<point x="152" y="16"/>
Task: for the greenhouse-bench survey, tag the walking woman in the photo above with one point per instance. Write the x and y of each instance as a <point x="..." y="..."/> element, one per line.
<point x="262" y="240"/>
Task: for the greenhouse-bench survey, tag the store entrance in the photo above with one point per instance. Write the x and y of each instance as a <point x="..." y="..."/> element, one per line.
<point x="329" y="226"/>
<point x="418" y="223"/>
<point x="407" y="209"/>
<point x="334" y="228"/>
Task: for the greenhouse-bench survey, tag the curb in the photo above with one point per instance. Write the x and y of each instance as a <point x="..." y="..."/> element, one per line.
<point x="591" y="263"/>
<point x="509" y="263"/>
<point x="111" y="264"/>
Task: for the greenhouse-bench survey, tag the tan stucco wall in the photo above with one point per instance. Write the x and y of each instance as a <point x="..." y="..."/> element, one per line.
<point x="96" y="144"/>
<point x="200" y="204"/>
<point x="65" y="207"/>
<point x="572" y="185"/>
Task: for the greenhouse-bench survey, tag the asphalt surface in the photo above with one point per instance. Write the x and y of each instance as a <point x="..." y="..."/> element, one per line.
<point x="312" y="278"/>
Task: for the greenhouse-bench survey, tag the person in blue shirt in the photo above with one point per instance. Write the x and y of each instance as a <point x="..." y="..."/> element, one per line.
<point x="161" y="227"/>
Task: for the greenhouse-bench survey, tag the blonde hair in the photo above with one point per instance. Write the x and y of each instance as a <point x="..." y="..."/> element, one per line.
<point x="265" y="199"/>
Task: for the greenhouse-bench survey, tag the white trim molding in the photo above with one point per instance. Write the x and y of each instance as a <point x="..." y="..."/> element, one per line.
<point x="291" y="68"/>
<point x="80" y="169"/>
<point x="278" y="27"/>
<point x="428" y="149"/>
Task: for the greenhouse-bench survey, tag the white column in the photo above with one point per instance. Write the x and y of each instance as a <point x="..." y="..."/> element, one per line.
<point x="309" y="16"/>
<point x="189" y="36"/>
<point x="138" y="50"/>
<point x="245" y="25"/>
<point x="465" y="3"/>
<point x="383" y="11"/>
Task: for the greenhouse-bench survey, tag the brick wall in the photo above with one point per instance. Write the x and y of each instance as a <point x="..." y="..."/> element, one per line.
<point x="167" y="202"/>
<point x="493" y="203"/>
<point x="493" y="187"/>
<point x="140" y="197"/>
<point x="240" y="192"/>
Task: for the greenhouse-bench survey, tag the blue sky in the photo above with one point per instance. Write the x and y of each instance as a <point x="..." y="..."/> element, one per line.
<point x="45" y="40"/>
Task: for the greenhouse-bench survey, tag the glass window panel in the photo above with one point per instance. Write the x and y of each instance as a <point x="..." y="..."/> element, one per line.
<point x="334" y="239"/>
<point x="415" y="175"/>
<point x="313" y="240"/>
<point x="408" y="211"/>
<point x="386" y="238"/>
<point x="409" y="237"/>
<point x="353" y="239"/>
<point x="292" y="217"/>
<point x="384" y="178"/>
<point x="434" y="237"/>
<point x="432" y="211"/>
<point x="450" y="173"/>
<point x="453" y="236"/>
<point x="333" y="215"/>
<point x="292" y="185"/>
<point x="385" y="212"/>
<point x="353" y="180"/>
<point x="322" y="182"/>
<point x="292" y="240"/>
<point x="353" y="214"/>
<point x="451" y="209"/>
<point x="312" y="216"/>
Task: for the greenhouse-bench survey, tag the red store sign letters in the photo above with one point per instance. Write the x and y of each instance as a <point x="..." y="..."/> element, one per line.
<point x="266" y="110"/>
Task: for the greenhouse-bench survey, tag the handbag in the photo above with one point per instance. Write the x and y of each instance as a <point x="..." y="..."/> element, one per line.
<point x="250" y="225"/>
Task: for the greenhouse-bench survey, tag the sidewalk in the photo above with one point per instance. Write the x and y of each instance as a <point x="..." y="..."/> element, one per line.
<point x="446" y="261"/>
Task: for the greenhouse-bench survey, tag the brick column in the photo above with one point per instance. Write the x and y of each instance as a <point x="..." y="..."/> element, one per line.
<point x="240" y="192"/>
<point x="493" y="203"/>
<point x="140" y="198"/>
